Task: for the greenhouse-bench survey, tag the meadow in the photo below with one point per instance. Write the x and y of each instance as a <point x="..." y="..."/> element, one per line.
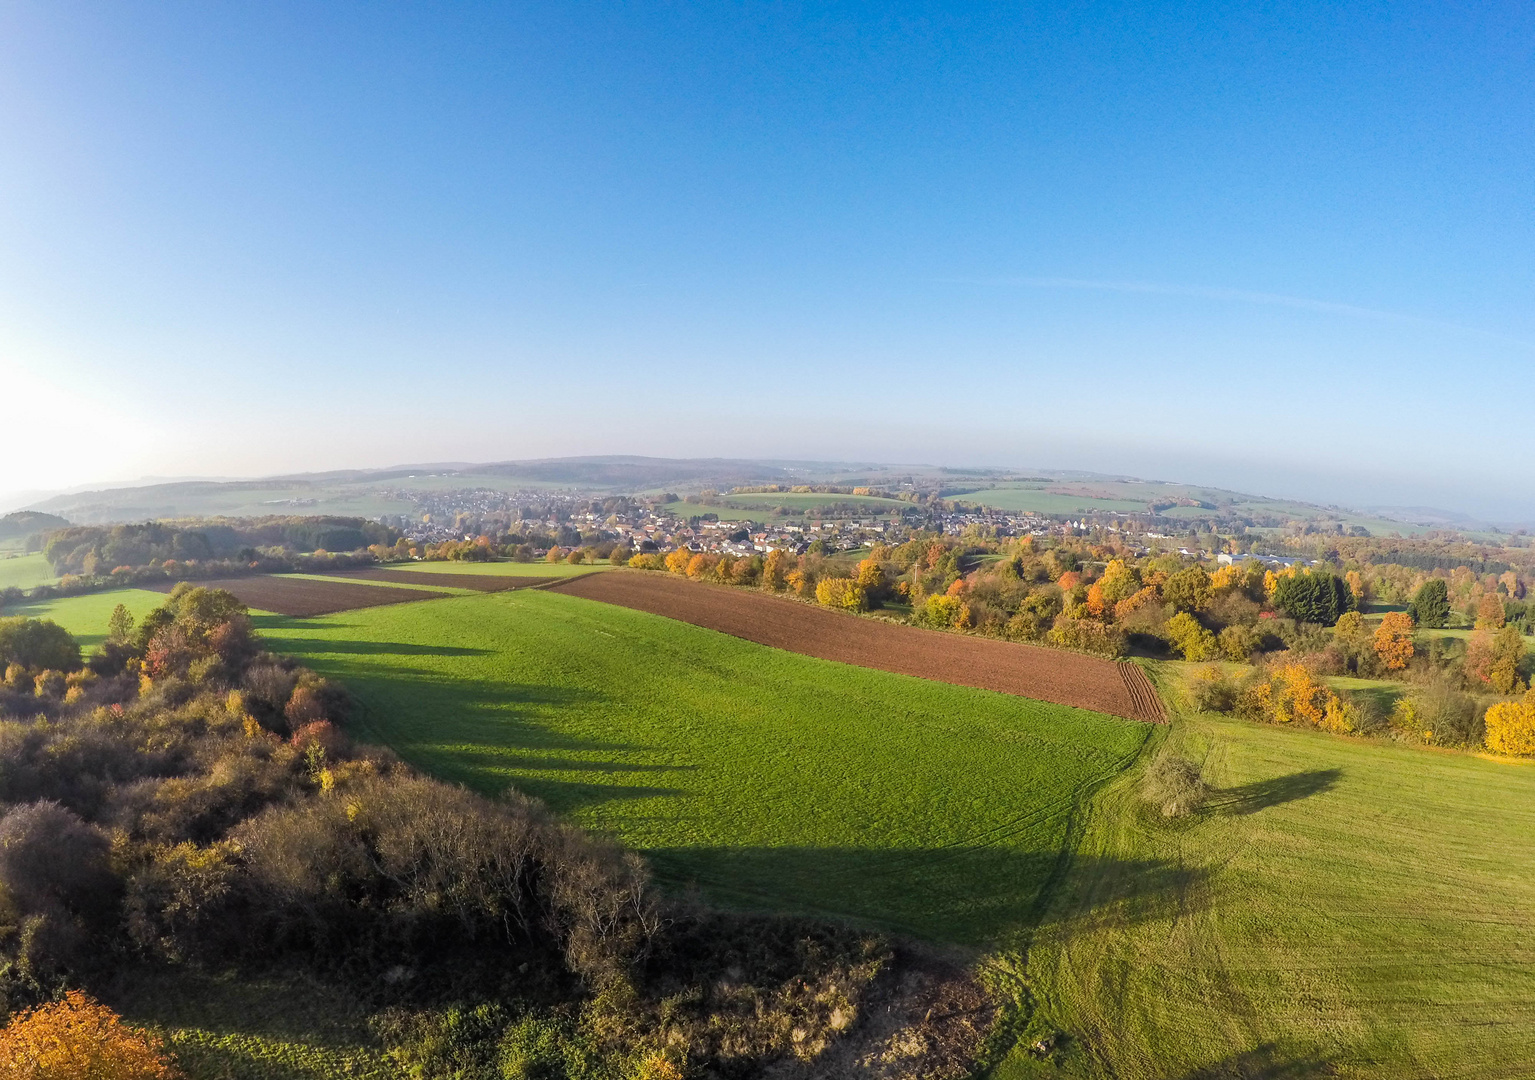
<point x="767" y="779"/>
<point x="25" y="571"/>
<point x="1342" y="908"/>
<point x="86" y="616"/>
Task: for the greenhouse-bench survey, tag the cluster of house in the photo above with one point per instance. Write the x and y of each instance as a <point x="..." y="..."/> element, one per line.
<point x="459" y="515"/>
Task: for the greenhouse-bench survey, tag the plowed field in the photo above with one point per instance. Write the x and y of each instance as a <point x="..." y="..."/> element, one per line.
<point x="1064" y="678"/>
<point x="480" y="582"/>
<point x="302" y="598"/>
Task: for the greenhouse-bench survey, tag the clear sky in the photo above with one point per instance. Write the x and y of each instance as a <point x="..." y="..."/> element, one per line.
<point x="1287" y="248"/>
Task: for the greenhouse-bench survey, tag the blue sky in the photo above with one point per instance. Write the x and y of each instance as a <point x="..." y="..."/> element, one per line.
<point x="1286" y="248"/>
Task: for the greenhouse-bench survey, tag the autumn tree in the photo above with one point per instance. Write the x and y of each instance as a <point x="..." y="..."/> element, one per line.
<point x="775" y="570"/>
<point x="1393" y="640"/>
<point x="1188" y="590"/>
<point x="78" y="1038"/>
<point x="1489" y="612"/>
<point x="840" y="593"/>
<point x="1119" y="582"/>
<point x="1511" y="728"/>
<point x="1192" y="641"/>
<point x="1430" y="607"/>
<point x="677" y="561"/>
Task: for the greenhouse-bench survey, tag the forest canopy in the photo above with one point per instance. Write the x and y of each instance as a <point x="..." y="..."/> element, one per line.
<point x="93" y="550"/>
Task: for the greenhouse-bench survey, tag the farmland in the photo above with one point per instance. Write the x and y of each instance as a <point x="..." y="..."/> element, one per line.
<point x="307" y="595"/>
<point x="769" y="779"/>
<point x="471" y="581"/>
<point x="1049" y="675"/>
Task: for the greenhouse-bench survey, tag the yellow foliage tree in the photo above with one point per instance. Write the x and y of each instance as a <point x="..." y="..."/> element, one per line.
<point x="1292" y="694"/>
<point x="1191" y="640"/>
<point x="1119" y="582"/>
<point x="1393" y="640"/>
<point x="677" y="561"/>
<point x="699" y="565"/>
<point x="80" y="1039"/>
<point x="871" y="573"/>
<point x="1355" y="582"/>
<point x="1511" y="728"/>
<point x="840" y="593"/>
<point x="775" y="570"/>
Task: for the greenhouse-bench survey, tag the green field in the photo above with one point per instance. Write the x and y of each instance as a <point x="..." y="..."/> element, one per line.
<point x="25" y="571"/>
<point x="769" y="779"/>
<point x="86" y="616"/>
<point x="1342" y="908"/>
<point x="1036" y="498"/>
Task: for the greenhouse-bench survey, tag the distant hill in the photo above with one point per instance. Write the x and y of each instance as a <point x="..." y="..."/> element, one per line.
<point x="401" y="490"/>
<point x="27" y="522"/>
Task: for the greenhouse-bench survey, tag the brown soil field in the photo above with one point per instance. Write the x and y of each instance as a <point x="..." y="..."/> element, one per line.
<point x="1064" y="678"/>
<point x="482" y="582"/>
<point x="302" y="598"/>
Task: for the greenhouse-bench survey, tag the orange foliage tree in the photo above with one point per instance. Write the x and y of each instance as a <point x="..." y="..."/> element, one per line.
<point x="677" y="561"/>
<point x="1489" y="612"/>
<point x="1393" y="640"/>
<point x="80" y="1039"/>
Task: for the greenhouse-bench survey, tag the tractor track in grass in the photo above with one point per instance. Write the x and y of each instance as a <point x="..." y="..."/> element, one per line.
<point x="1054" y="675"/>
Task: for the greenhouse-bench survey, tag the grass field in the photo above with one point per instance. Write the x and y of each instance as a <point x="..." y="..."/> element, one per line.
<point x="1038" y="499"/>
<point x="770" y="780"/>
<point x="1342" y="908"/>
<point x="25" y="571"/>
<point x="86" y="616"/>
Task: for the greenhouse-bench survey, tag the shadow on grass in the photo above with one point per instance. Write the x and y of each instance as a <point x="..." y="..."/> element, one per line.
<point x="1262" y="794"/>
<point x="1265" y="1062"/>
<point x="967" y="896"/>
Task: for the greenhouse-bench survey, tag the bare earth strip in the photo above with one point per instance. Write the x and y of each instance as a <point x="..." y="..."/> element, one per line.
<point x="1064" y="678"/>
<point x="302" y="598"/>
<point x="481" y="582"/>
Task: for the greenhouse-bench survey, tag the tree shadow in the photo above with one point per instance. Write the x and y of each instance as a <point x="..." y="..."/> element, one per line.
<point x="1262" y="794"/>
<point x="970" y="896"/>
<point x="399" y="648"/>
<point x="1265" y="1062"/>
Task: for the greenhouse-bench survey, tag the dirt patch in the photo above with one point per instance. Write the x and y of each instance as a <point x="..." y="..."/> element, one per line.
<point x="481" y="582"/>
<point x="925" y="1019"/>
<point x="303" y="597"/>
<point x="1054" y="675"/>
